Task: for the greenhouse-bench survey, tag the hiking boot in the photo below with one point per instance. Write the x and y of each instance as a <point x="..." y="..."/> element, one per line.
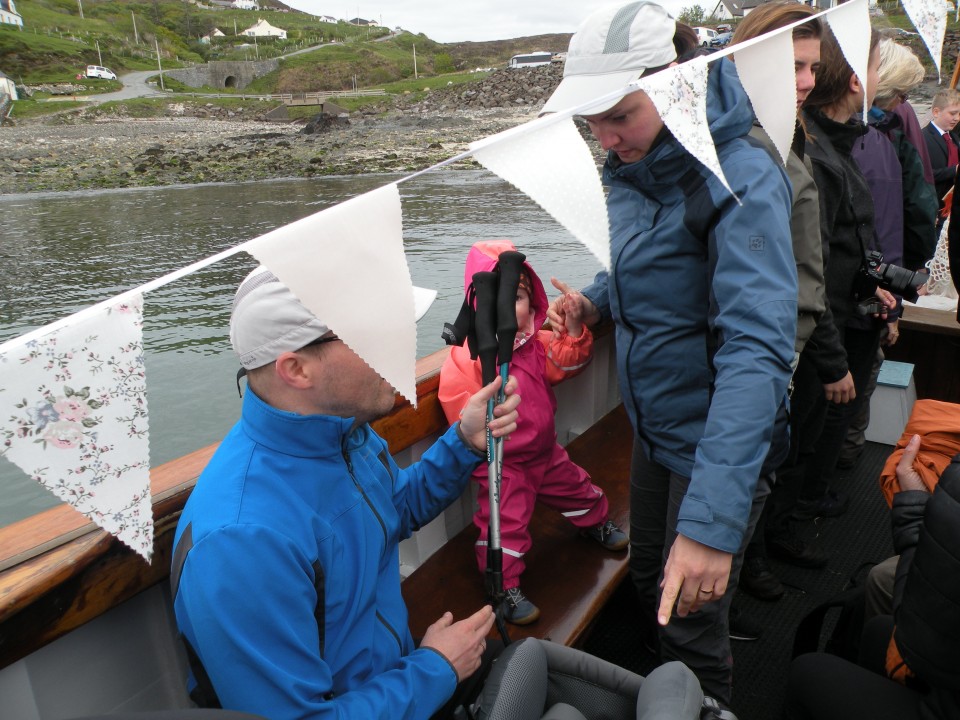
<point x="832" y="504"/>
<point x="517" y="609"/>
<point x="794" y="550"/>
<point x="608" y="535"/>
<point x="757" y="579"/>
<point x="742" y="627"/>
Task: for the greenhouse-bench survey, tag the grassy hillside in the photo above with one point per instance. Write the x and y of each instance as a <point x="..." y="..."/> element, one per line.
<point x="56" y="44"/>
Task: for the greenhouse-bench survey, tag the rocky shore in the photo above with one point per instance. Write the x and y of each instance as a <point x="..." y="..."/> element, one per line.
<point x="198" y="142"/>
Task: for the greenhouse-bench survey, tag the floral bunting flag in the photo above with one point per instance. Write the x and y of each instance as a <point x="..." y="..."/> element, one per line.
<point x="74" y="407"/>
<point x="850" y="24"/>
<point x="767" y="73"/>
<point x="555" y="168"/>
<point x="346" y="264"/>
<point x="680" y="96"/>
<point x="929" y="17"/>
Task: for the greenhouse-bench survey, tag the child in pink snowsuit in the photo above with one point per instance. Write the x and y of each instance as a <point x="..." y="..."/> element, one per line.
<point x="535" y="467"/>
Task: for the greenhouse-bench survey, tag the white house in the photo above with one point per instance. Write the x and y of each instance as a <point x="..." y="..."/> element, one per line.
<point x="327" y="19"/>
<point x="7" y="88"/>
<point x="264" y="29"/>
<point x="9" y="14"/>
<point x="244" y="5"/>
<point x="215" y="33"/>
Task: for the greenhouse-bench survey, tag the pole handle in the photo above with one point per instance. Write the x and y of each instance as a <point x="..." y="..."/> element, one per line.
<point x="485" y="285"/>
<point x="511" y="264"/>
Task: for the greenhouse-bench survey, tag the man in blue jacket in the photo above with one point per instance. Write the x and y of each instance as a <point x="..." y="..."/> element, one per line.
<point x="703" y="291"/>
<point x="286" y="572"/>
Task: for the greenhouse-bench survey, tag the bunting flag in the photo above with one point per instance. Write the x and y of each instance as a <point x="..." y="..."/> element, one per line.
<point x="767" y="73"/>
<point x="73" y="396"/>
<point x="346" y="264"/>
<point x="75" y="419"/>
<point x="556" y="169"/>
<point x="929" y="17"/>
<point x="680" y="96"/>
<point x="850" y="24"/>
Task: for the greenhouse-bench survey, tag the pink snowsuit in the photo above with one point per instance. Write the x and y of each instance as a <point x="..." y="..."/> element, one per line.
<point x="535" y="467"/>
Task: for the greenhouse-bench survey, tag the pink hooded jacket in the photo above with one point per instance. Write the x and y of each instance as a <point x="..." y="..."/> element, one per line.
<point x="535" y="365"/>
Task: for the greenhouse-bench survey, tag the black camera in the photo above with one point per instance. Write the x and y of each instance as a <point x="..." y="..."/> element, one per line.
<point x="874" y="273"/>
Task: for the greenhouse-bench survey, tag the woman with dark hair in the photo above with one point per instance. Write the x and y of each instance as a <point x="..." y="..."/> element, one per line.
<point x="847" y="222"/>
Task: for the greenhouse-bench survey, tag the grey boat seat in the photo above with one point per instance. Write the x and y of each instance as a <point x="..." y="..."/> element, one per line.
<point x="536" y="679"/>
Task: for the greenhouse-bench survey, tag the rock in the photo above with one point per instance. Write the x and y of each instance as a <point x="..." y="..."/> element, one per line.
<point x="324" y="122"/>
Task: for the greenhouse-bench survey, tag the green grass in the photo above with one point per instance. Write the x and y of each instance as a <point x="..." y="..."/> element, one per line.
<point x="29" y="109"/>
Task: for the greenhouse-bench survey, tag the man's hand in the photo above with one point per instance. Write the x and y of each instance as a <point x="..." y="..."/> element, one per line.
<point x="557" y="312"/>
<point x="461" y="643"/>
<point x="842" y="391"/>
<point x="907" y="475"/>
<point x="473" y="419"/>
<point x="694" y="575"/>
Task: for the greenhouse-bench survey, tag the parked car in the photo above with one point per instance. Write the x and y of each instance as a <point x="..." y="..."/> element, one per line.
<point x="721" y="40"/>
<point x="704" y="35"/>
<point x="724" y="28"/>
<point x="97" y="71"/>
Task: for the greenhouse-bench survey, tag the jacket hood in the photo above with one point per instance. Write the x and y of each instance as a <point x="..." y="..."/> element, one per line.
<point x="484" y="256"/>
<point x="729" y="115"/>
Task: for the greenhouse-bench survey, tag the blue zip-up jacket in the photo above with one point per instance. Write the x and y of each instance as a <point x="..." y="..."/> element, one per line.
<point x="704" y="295"/>
<point x="290" y="586"/>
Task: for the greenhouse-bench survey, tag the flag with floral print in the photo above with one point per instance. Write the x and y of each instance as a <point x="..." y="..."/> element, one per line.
<point x="929" y="17"/>
<point x="73" y="405"/>
<point x="680" y="96"/>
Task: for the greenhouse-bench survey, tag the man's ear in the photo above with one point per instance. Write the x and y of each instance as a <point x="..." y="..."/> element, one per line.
<point x="293" y="370"/>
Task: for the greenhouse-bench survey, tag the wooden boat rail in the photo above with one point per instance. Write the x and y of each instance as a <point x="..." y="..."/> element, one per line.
<point x="59" y="572"/>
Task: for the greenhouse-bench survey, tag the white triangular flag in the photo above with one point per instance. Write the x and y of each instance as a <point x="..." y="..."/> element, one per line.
<point x="766" y="70"/>
<point x="74" y="409"/>
<point x="929" y="17"/>
<point x="555" y="168"/>
<point x="850" y="24"/>
<point x="346" y="264"/>
<point x="680" y="95"/>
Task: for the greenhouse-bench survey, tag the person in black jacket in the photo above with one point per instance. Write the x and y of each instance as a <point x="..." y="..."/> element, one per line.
<point x="939" y="135"/>
<point x="926" y="611"/>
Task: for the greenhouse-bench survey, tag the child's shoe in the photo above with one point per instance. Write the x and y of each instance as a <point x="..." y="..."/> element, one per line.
<point x="517" y="609"/>
<point x="608" y="535"/>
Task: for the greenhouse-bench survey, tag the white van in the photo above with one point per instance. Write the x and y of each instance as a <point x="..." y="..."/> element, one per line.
<point x="704" y="35"/>
<point x="96" y="71"/>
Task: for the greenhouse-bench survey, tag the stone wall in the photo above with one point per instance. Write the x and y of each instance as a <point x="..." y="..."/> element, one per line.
<point x="224" y="74"/>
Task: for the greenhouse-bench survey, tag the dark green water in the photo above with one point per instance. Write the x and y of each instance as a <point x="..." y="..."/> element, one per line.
<point x="62" y="252"/>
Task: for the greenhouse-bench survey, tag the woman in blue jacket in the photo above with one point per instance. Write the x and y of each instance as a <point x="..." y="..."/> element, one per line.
<point x="703" y="291"/>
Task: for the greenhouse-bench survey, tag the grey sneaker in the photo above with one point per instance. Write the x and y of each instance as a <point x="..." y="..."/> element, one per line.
<point x="608" y="535"/>
<point x="517" y="609"/>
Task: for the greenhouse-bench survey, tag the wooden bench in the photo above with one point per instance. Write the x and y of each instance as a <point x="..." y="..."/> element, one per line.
<point x="930" y="339"/>
<point x="568" y="577"/>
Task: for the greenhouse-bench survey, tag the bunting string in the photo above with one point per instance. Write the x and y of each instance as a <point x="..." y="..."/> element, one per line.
<point x="73" y="397"/>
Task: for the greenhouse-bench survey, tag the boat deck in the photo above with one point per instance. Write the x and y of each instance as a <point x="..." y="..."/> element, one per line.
<point x="861" y="537"/>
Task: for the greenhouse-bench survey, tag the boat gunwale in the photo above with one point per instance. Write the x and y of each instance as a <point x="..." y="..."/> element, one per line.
<point x="52" y="582"/>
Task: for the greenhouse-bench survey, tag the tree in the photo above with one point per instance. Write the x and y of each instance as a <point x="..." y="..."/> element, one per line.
<point x="693" y="15"/>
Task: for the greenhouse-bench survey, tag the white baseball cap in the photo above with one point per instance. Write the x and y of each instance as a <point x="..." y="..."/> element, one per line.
<point x="267" y="319"/>
<point x="613" y="47"/>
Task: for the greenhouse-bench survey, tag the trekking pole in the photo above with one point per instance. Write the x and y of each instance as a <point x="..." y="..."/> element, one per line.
<point x="485" y="287"/>
<point x="510" y="264"/>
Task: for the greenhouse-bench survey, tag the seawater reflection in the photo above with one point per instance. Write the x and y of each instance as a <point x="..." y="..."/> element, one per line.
<point x="62" y="252"/>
